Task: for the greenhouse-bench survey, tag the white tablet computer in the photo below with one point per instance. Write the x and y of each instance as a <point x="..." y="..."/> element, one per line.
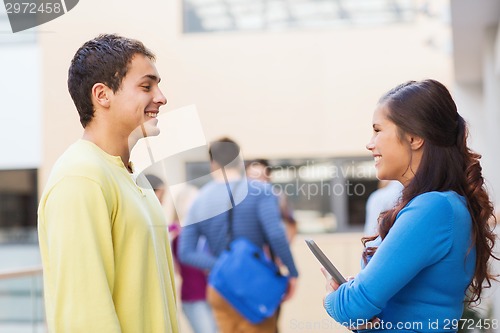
<point x="327" y="264"/>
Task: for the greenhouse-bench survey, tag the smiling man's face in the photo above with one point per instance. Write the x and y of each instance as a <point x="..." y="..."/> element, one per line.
<point x="135" y="105"/>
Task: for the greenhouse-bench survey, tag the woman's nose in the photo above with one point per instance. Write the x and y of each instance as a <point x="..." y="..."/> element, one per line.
<point x="370" y="145"/>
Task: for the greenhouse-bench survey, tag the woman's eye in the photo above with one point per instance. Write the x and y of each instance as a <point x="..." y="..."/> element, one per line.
<point x="147" y="87"/>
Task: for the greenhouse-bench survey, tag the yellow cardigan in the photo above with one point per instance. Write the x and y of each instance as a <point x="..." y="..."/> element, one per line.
<point x="104" y="247"/>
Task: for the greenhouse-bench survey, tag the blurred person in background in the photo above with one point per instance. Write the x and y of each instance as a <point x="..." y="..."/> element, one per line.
<point x="107" y="265"/>
<point x="256" y="218"/>
<point x="194" y="281"/>
<point x="158" y="187"/>
<point x="260" y="169"/>
<point x="381" y="200"/>
<point x="432" y="249"/>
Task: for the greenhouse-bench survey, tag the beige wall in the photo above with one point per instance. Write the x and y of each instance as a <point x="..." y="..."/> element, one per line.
<point x="19" y="116"/>
<point x="282" y="94"/>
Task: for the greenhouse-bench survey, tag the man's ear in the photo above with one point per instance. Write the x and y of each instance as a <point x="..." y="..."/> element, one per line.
<point x="101" y="94"/>
<point x="416" y="142"/>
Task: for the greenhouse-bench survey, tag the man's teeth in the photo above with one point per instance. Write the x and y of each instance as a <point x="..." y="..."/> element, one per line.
<point x="152" y="114"/>
<point x="377" y="158"/>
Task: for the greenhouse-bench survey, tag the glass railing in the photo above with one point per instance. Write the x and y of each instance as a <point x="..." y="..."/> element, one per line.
<point x="21" y="301"/>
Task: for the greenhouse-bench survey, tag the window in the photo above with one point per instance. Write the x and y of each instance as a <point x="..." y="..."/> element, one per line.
<point x="18" y="205"/>
<point x="327" y="195"/>
<point x="263" y="15"/>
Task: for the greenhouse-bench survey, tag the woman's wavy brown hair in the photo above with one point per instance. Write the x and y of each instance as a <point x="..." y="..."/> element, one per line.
<point x="427" y="110"/>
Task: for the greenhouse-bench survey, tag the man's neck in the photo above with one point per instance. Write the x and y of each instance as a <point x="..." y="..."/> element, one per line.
<point x="109" y="143"/>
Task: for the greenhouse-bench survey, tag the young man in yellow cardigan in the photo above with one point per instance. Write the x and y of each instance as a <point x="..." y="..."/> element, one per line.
<point x="103" y="240"/>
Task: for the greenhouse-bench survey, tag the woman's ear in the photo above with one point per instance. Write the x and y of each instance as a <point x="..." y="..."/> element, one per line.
<point x="416" y="142"/>
<point x="101" y="94"/>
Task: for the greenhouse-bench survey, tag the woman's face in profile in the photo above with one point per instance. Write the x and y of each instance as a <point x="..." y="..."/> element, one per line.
<point x="392" y="155"/>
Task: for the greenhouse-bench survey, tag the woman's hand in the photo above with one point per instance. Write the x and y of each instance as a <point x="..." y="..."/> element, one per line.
<point x="331" y="285"/>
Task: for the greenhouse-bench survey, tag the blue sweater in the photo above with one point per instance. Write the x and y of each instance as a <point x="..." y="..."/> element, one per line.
<point x="417" y="279"/>
<point x="255" y="217"/>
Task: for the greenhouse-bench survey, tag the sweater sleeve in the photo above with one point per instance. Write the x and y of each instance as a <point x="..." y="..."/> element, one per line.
<point x="420" y="237"/>
<point x="188" y="244"/>
<point x="77" y="247"/>
<point x="270" y="217"/>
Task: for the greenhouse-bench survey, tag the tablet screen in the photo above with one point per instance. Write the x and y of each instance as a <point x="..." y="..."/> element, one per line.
<point x="327" y="264"/>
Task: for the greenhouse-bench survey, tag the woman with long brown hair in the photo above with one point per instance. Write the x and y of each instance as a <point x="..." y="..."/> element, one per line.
<point x="432" y="249"/>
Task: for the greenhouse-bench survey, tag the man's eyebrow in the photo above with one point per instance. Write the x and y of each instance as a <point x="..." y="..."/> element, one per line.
<point x="152" y="77"/>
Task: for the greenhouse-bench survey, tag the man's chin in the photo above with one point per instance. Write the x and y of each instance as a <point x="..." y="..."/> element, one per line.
<point x="150" y="128"/>
<point x="147" y="129"/>
<point x="151" y="131"/>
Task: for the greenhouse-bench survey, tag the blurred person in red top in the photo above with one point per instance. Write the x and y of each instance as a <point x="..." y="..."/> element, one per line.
<point x="194" y="281"/>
